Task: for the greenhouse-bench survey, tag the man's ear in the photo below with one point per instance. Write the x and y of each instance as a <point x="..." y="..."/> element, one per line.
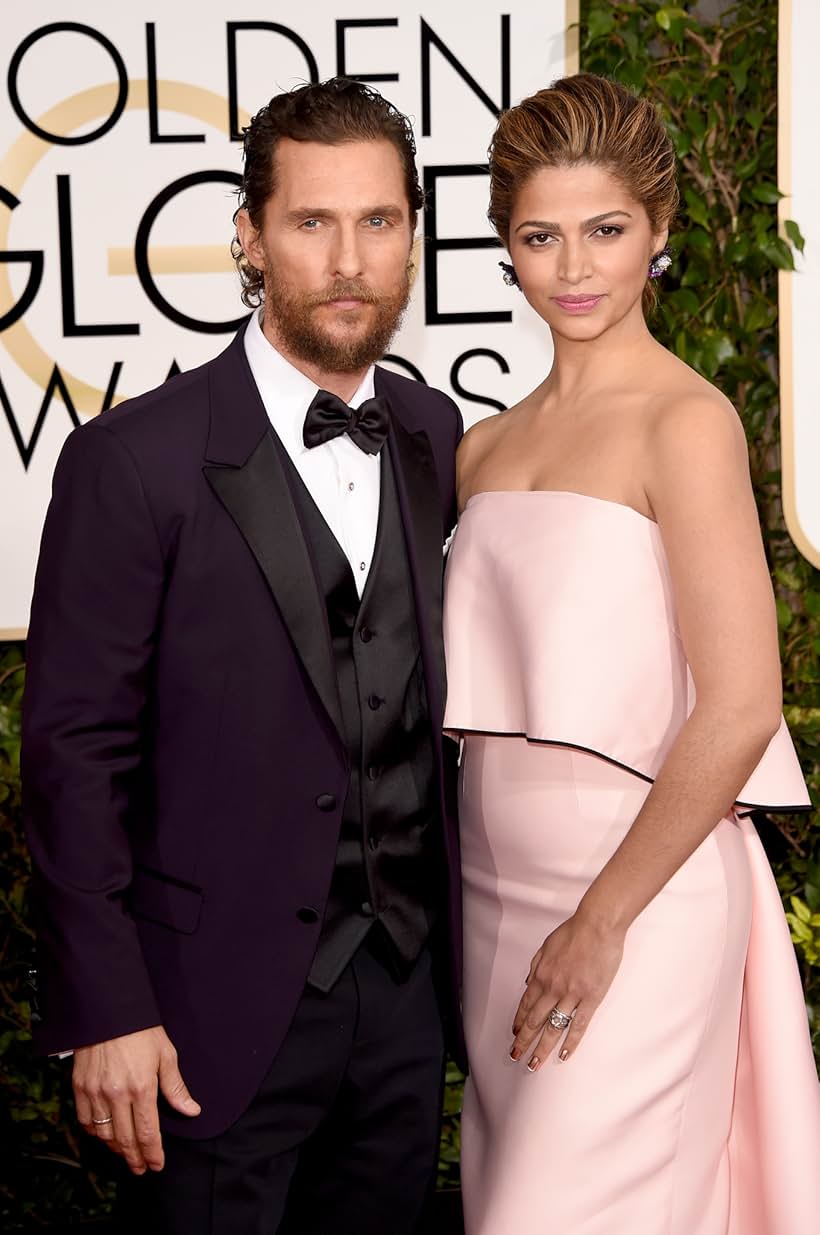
<point x="250" y="239"/>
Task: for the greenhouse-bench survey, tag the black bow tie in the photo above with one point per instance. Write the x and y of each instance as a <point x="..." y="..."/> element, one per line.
<point x="328" y="417"/>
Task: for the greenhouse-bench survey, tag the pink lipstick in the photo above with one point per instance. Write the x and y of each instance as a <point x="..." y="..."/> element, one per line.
<point x="577" y="304"/>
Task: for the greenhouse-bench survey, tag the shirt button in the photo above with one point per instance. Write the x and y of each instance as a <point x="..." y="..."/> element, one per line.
<point x="367" y="908"/>
<point x="374" y="702"/>
<point x="365" y="634"/>
<point x="362" y="565"/>
<point x="351" y="487"/>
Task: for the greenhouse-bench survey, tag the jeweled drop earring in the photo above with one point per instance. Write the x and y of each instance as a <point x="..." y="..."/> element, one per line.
<point x="660" y="263"/>
<point x="509" y="276"/>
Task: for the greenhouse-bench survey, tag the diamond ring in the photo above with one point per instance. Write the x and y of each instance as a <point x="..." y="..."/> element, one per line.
<point x="558" y="1019"/>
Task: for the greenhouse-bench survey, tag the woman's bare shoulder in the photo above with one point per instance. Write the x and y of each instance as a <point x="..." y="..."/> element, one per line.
<point x="476" y="444"/>
<point x="684" y="403"/>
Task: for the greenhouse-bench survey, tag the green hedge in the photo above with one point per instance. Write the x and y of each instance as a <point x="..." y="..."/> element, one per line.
<point x="716" y="84"/>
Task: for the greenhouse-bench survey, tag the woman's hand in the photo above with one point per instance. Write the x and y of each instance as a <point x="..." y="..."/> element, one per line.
<point x="571" y="971"/>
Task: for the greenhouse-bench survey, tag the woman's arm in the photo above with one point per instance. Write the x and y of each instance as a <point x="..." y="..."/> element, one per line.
<point x="699" y="488"/>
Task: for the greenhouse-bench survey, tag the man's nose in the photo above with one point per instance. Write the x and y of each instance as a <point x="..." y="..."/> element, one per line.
<point x="346" y="257"/>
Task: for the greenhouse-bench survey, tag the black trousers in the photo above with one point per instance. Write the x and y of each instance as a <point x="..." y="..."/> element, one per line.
<point x="342" y="1136"/>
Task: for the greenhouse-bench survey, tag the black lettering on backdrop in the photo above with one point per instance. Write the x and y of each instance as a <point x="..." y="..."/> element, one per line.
<point x="455" y="376"/>
<point x="341" y="47"/>
<point x="429" y="39"/>
<point x="55" y="384"/>
<point x="154" y="135"/>
<point x="71" y="27"/>
<point x="146" y="278"/>
<point x="433" y="246"/>
<point x="26" y="449"/>
<point x="233" y="28"/>
<point x="35" y="260"/>
<point x="71" y="328"/>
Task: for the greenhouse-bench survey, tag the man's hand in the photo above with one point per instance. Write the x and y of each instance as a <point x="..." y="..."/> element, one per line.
<point x="120" y="1078"/>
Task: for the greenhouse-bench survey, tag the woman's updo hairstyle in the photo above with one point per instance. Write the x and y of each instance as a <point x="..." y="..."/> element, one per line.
<point x="585" y="119"/>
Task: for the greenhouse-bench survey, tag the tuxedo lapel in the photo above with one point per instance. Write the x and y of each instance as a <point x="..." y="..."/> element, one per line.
<point x="420" y="506"/>
<point x="248" y="476"/>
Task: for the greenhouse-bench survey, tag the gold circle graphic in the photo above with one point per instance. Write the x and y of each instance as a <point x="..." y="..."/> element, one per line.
<point x="24" y="155"/>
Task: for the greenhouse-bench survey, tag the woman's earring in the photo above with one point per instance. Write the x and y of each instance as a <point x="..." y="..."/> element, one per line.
<point x="660" y="263"/>
<point x="509" y="276"/>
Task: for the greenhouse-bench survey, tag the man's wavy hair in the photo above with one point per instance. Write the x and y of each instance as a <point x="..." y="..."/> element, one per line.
<point x="334" y="111"/>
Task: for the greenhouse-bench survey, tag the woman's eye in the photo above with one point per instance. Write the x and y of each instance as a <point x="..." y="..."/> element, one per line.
<point x="538" y="239"/>
<point x="609" y="229"/>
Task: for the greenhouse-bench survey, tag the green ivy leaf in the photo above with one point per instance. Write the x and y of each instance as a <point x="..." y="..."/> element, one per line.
<point x="696" y="209"/>
<point x="758" y="315"/>
<point x="767" y="193"/>
<point x="800" y="909"/>
<point x="739" y="73"/>
<point x="600" y="23"/>
<point x="685" y="300"/>
<point x="779" y="253"/>
<point x="784" y="613"/>
<point x="794" y="234"/>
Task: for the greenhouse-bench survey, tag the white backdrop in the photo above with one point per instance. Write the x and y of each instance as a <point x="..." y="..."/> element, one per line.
<point x="799" y="179"/>
<point x="117" y="173"/>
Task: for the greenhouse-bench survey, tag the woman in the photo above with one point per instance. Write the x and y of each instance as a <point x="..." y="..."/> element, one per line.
<point x="638" y="1040"/>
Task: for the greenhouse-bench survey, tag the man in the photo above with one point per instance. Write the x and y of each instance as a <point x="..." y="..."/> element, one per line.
<point x="245" y="868"/>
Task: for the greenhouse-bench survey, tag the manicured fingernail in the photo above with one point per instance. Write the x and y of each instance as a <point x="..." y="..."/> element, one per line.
<point x="532" y="1066"/>
<point x="515" y="1054"/>
<point x="564" y="1055"/>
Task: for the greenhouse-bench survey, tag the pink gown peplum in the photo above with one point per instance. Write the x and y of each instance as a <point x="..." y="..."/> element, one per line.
<point x="692" y="1106"/>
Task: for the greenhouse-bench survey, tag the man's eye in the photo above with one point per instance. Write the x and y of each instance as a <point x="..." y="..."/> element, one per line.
<point x="311" y="224"/>
<point x="377" y="221"/>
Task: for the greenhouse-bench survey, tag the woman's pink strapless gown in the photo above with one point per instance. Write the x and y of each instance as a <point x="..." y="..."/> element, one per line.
<point x="692" y="1106"/>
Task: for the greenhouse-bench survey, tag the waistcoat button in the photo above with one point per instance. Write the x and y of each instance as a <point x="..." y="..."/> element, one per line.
<point x="365" y="634"/>
<point x="367" y="908"/>
<point x="375" y="702"/>
<point x="308" y="915"/>
<point x="326" y="801"/>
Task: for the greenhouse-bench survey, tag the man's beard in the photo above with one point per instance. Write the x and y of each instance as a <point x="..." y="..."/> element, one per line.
<point x="292" y="313"/>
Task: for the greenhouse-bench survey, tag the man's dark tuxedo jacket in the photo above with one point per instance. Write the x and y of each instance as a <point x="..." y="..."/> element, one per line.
<point x="183" y="768"/>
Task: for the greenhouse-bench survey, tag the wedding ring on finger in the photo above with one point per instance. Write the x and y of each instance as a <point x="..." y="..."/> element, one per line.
<point x="559" y="1020"/>
<point x="109" y="1119"/>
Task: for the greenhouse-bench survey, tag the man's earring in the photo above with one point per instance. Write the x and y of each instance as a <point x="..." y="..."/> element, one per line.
<point x="509" y="276"/>
<point x="660" y="263"/>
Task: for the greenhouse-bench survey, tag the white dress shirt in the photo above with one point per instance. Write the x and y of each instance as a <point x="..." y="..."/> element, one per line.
<point x="344" y="481"/>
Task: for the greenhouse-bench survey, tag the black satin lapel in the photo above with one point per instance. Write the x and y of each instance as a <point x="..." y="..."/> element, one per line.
<point x="258" y="499"/>
<point x="420" y="503"/>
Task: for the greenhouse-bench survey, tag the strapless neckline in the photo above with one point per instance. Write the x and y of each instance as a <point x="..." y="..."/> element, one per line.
<point x="560" y="625"/>
<point x="559" y="493"/>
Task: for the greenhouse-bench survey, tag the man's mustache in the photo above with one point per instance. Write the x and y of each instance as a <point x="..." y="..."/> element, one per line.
<point x="345" y="289"/>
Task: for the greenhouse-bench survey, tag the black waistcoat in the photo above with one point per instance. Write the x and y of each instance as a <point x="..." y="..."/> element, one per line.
<point x="388" y="858"/>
